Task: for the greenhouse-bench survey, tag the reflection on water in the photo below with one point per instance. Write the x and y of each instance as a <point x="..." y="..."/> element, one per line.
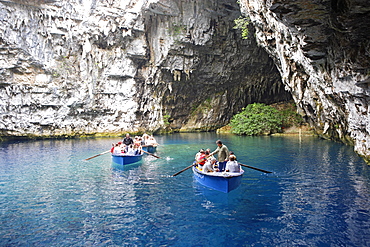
<point x="317" y="195"/>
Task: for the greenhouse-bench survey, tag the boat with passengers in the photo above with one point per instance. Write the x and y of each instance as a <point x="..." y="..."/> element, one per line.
<point x="125" y="159"/>
<point x="221" y="181"/>
<point x="126" y="154"/>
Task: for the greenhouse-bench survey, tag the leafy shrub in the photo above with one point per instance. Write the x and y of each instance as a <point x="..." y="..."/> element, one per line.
<point x="258" y="119"/>
<point x="290" y="118"/>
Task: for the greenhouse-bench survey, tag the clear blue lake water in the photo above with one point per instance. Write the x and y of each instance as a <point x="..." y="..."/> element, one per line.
<point x="317" y="195"/>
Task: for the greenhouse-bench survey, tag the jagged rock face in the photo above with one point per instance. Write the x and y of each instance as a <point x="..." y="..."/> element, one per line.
<point x="322" y="51"/>
<point x="205" y="72"/>
<point x="88" y="67"/>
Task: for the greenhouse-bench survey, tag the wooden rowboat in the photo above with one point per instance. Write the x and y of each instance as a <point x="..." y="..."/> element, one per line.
<point x="126" y="159"/>
<point x="221" y="181"/>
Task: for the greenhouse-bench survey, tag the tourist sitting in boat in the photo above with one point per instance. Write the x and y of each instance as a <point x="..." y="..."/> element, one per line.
<point x="145" y="136"/>
<point x="123" y="147"/>
<point x="209" y="166"/>
<point x="208" y="150"/>
<point x="232" y="153"/>
<point x="138" y="149"/>
<point x="144" y="139"/>
<point x="202" y="158"/>
<point x="232" y="165"/>
<point x="137" y="140"/>
<point x="131" y="150"/>
<point x="198" y="154"/>
<point x="151" y="141"/>
<point x="117" y="149"/>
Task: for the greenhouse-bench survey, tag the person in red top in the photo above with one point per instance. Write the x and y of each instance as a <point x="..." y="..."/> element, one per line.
<point x="202" y="158"/>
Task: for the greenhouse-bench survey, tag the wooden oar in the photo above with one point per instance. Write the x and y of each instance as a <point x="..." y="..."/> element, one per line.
<point x="258" y="169"/>
<point x="152" y="154"/>
<point x="177" y="173"/>
<point x="98" y="155"/>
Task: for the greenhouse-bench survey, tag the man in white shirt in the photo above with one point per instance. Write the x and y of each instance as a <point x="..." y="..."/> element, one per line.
<point x="209" y="165"/>
<point x="232" y="165"/>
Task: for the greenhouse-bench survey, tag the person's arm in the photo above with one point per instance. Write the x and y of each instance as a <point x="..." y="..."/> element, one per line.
<point x="218" y="148"/>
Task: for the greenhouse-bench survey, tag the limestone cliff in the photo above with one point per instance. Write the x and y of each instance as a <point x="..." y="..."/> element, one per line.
<point x="86" y="67"/>
<point x="322" y="51"/>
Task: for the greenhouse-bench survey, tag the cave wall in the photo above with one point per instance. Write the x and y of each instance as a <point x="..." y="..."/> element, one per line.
<point x="205" y="73"/>
<point x="322" y="51"/>
<point x="89" y="67"/>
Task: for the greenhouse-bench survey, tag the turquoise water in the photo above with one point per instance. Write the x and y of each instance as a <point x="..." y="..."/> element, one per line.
<point x="317" y="195"/>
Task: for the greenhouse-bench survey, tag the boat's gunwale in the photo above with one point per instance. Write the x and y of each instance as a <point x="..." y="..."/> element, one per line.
<point x="218" y="182"/>
<point x="220" y="174"/>
<point x="126" y="155"/>
<point x="124" y="159"/>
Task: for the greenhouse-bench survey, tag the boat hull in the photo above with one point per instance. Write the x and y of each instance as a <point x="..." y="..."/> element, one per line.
<point x="126" y="159"/>
<point x="149" y="148"/>
<point x="221" y="181"/>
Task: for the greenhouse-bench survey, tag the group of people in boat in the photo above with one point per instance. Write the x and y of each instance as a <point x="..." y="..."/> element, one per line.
<point x="226" y="161"/>
<point x="133" y="146"/>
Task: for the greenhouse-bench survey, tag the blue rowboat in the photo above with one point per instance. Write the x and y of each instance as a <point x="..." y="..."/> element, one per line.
<point x="126" y="159"/>
<point x="221" y="181"/>
<point x="149" y="148"/>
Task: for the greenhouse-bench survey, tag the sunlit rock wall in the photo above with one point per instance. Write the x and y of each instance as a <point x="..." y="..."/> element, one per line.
<point x="322" y="50"/>
<point x="77" y="67"/>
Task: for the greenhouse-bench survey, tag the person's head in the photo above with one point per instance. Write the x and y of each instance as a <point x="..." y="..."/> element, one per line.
<point x="219" y="143"/>
<point x="127" y="135"/>
<point x="232" y="157"/>
<point x="213" y="160"/>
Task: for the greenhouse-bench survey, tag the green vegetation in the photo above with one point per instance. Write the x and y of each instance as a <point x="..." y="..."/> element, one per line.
<point x="242" y="24"/>
<point x="177" y="29"/>
<point x="260" y="119"/>
<point x="166" y="119"/>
